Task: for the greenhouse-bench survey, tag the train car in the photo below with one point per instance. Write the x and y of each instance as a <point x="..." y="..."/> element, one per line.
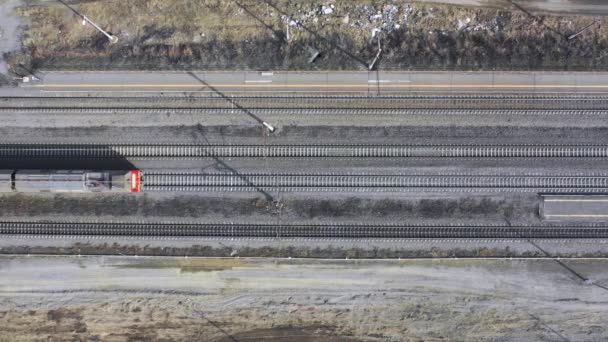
<point x="69" y="181"/>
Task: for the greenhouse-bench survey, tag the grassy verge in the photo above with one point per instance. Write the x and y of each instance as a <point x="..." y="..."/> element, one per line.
<point x="279" y="34"/>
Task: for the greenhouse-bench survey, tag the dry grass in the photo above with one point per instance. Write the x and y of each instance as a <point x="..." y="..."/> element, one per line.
<point x="253" y="34"/>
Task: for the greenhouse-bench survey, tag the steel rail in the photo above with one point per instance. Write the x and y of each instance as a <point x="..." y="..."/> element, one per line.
<point x="271" y="101"/>
<point x="302" y="111"/>
<point x="301" y="151"/>
<point x="157" y="181"/>
<point x="381" y="97"/>
<point x="232" y="230"/>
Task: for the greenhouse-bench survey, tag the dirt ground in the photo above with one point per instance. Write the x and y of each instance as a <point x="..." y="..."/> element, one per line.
<point x="150" y="299"/>
<point x="309" y="35"/>
<point x="9" y="36"/>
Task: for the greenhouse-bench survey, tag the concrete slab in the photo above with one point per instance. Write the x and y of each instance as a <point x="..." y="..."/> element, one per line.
<point x="569" y="208"/>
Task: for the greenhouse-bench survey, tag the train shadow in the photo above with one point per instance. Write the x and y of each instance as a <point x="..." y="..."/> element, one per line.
<point x="62" y="157"/>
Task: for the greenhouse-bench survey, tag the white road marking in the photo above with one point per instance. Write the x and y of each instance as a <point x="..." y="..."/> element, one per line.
<point x="259" y="81"/>
<point x="577" y="215"/>
<point x="379" y="81"/>
<point x="576" y="200"/>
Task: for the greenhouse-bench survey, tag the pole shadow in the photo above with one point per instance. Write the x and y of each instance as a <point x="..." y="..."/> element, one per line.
<point x="328" y="44"/>
<point x="277" y="33"/>
<point x="227" y="335"/>
<point x="546" y="254"/>
<point x="537" y="18"/>
<point x="546" y="326"/>
<point x="245" y="111"/>
<point x="229" y="99"/>
<point x="233" y="171"/>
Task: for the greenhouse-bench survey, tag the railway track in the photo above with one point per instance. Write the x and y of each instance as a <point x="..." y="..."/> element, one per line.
<point x="329" y="96"/>
<point x="157" y="181"/>
<point x="301" y="151"/>
<point x="300" y="111"/>
<point x="506" y="101"/>
<point x="327" y="231"/>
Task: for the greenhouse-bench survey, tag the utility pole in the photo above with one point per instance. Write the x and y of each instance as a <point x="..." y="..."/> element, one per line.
<point x="371" y="65"/>
<point x="85" y="20"/>
<point x="267" y="125"/>
<point x="595" y="21"/>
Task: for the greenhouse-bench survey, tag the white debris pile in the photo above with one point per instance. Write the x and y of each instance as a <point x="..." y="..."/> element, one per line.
<point x="467" y="25"/>
<point x="388" y="18"/>
<point x="325" y="9"/>
<point x="408" y="10"/>
<point x="305" y="16"/>
<point x="463" y="24"/>
<point x="385" y="19"/>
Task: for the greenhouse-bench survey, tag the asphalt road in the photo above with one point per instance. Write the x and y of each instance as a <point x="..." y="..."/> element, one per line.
<point x="334" y="82"/>
<point x="585" y="7"/>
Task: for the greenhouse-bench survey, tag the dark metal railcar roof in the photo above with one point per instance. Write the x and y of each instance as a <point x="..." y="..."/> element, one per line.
<point x="49" y="180"/>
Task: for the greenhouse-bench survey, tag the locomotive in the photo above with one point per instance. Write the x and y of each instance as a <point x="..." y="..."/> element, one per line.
<point x="69" y="181"/>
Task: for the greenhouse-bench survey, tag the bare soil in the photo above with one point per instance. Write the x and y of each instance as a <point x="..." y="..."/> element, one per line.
<point x="149" y="299"/>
